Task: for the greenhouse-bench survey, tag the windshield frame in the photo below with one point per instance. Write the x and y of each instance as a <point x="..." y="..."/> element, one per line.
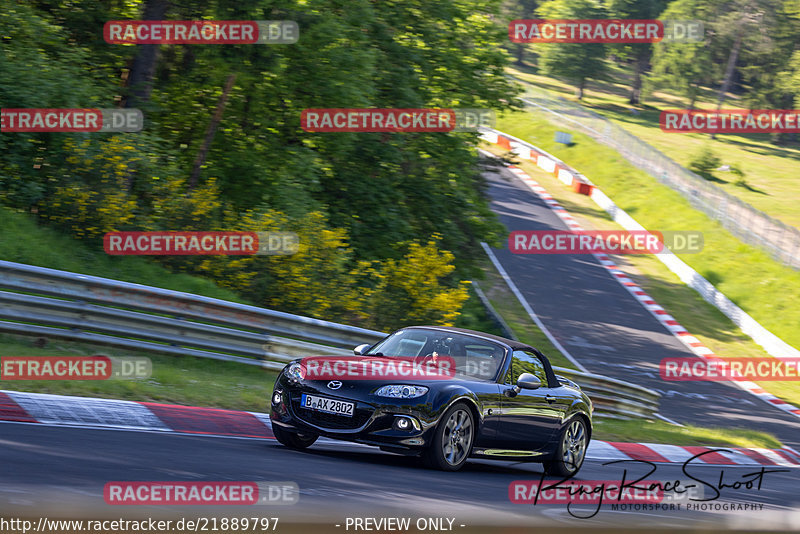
<point x="494" y="379"/>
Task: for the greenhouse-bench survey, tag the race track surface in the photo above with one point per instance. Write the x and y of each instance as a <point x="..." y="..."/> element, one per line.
<point x="605" y="329"/>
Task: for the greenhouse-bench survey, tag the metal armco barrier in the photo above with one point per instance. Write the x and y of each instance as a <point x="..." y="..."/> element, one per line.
<point x="37" y="301"/>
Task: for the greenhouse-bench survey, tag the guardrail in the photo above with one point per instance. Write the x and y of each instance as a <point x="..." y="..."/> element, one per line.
<point x="611" y="397"/>
<point x="37" y="301"/>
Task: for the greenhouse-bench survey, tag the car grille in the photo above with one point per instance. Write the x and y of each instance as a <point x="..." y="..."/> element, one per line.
<point x="329" y="420"/>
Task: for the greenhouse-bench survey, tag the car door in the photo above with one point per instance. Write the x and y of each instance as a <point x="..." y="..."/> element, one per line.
<point x="478" y="362"/>
<point x="529" y="419"/>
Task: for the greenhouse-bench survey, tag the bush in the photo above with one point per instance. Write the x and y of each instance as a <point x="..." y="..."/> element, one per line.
<point x="704" y="162"/>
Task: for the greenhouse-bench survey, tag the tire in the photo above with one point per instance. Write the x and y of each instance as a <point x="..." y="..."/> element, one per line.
<point x="292" y="440"/>
<point x="452" y="440"/>
<point x="571" y="452"/>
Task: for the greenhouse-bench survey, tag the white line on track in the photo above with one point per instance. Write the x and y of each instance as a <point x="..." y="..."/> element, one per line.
<point x="528" y="309"/>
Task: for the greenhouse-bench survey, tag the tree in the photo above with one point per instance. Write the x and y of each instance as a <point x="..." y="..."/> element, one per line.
<point x="575" y="62"/>
<point x="639" y="54"/>
<point x="516" y="10"/>
<point x="683" y="68"/>
<point x="384" y="192"/>
<point x="743" y="28"/>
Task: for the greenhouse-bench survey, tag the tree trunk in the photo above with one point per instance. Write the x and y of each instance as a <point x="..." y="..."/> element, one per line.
<point x="732" y="58"/>
<point x="636" y="87"/>
<point x="140" y="79"/>
<point x="729" y="69"/>
<point x="520" y="53"/>
<point x="212" y="128"/>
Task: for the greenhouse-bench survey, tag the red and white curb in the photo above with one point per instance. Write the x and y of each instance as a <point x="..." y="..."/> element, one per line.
<point x="87" y="412"/>
<point x="571" y="177"/>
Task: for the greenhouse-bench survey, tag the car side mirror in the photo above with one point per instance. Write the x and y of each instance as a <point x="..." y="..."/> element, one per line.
<point x="361" y="349"/>
<point x="528" y="381"/>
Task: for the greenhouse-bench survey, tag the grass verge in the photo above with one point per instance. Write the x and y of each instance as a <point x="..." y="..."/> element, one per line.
<point x="23" y="241"/>
<point x="175" y="380"/>
<point x="660" y="432"/>
<point x="770" y="170"/>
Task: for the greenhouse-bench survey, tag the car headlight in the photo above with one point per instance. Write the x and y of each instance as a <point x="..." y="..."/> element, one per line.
<point x="295" y="372"/>
<point x="401" y="391"/>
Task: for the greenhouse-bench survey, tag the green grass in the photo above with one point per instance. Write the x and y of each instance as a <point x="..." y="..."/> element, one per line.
<point x="175" y="380"/>
<point x="660" y="432"/>
<point x="770" y="170"/>
<point x="475" y="317"/>
<point x="758" y="284"/>
<point x="23" y="241"/>
<point x="179" y="380"/>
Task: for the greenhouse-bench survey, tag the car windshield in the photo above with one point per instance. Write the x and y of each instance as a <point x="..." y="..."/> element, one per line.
<point x="474" y="358"/>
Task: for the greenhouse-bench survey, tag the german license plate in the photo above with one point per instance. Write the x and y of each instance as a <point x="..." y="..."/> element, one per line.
<point x="323" y="404"/>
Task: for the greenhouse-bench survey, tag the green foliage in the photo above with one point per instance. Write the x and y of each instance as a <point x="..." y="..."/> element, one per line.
<point x="789" y="78"/>
<point x="575" y="62"/>
<point x="704" y="162"/>
<point x="39" y="68"/>
<point x="682" y="68"/>
<point x="637" y="54"/>
<point x="365" y="205"/>
<point x="409" y="290"/>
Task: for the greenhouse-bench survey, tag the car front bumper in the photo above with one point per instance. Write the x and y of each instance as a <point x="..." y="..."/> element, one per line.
<point x="372" y="423"/>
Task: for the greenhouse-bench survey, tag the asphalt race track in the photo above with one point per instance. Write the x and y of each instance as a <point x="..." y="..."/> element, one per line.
<point x="62" y="471"/>
<point x="608" y="331"/>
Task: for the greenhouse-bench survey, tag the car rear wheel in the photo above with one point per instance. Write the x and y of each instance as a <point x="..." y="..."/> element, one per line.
<point x="571" y="449"/>
<point x="292" y="440"/>
<point x="452" y="440"/>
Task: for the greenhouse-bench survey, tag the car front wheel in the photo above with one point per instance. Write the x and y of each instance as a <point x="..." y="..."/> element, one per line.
<point x="452" y="440"/>
<point x="571" y="449"/>
<point x="292" y="440"/>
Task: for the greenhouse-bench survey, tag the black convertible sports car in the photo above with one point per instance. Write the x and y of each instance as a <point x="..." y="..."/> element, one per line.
<point x="487" y="397"/>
